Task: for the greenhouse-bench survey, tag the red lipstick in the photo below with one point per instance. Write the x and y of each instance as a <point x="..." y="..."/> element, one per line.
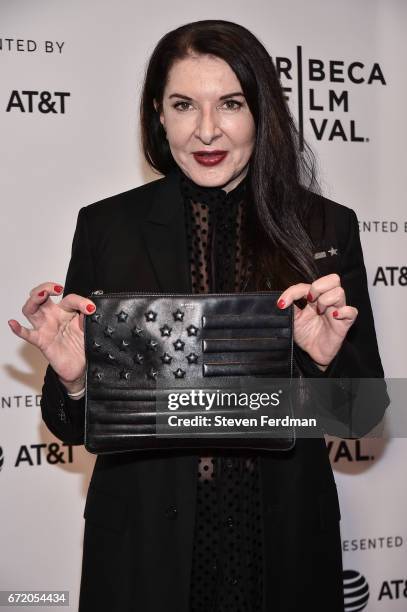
<point x="209" y="158"/>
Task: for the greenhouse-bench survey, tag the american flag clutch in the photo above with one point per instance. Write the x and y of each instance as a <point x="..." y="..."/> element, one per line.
<point x="145" y="349"/>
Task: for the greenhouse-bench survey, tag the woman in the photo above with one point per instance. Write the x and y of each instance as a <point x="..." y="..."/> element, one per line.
<point x="237" y="210"/>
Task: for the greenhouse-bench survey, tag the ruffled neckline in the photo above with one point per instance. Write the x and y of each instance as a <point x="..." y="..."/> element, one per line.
<point x="211" y="196"/>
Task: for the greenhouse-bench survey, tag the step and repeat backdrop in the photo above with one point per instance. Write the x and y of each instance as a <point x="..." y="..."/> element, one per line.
<point x="70" y="81"/>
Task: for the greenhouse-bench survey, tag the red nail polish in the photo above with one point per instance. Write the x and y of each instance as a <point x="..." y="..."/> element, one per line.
<point x="42" y="293"/>
<point x="58" y="288"/>
<point x="90" y="308"/>
<point x="281" y="303"/>
<point x="335" y="313"/>
<point x="309" y="297"/>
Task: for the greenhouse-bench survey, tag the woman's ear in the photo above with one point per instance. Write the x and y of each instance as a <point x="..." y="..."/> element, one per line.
<point x="157" y="109"/>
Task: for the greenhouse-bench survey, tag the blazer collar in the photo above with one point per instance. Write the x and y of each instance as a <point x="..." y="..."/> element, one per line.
<point x="165" y="237"/>
<point x="167" y="200"/>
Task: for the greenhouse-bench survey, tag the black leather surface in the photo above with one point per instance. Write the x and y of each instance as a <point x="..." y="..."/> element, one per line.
<point x="140" y="346"/>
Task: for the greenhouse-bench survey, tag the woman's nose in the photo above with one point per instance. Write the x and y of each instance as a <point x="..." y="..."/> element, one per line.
<point x="207" y="127"/>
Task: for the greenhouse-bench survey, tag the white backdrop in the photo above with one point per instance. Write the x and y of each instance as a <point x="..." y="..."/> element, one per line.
<point x="91" y="58"/>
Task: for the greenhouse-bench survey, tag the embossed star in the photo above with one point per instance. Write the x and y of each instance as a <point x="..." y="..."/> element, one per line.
<point x="96" y="346"/>
<point x="166" y="358"/>
<point x="152" y="345"/>
<point x="138" y="358"/>
<point x="152" y="373"/>
<point x="166" y="330"/>
<point x="125" y="374"/>
<point x="192" y="330"/>
<point x="178" y="315"/>
<point x="179" y="373"/>
<point x="332" y="251"/>
<point x="97" y="374"/>
<point x="192" y="358"/>
<point x="178" y="345"/>
<point x="111" y="357"/>
<point x="150" y="315"/>
<point x="124" y="344"/>
<point x="108" y="331"/>
<point x="96" y="317"/>
<point x="122" y="316"/>
<point x="137" y="331"/>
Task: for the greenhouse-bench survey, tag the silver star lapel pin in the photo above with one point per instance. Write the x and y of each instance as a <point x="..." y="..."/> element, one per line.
<point x="321" y="254"/>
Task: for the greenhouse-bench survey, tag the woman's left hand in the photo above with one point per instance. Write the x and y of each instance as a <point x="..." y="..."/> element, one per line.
<point x="320" y="327"/>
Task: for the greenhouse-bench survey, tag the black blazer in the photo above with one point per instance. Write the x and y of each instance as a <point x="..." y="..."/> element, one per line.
<point x="140" y="506"/>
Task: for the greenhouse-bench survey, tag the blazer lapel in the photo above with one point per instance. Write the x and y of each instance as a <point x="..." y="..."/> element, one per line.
<point x="165" y="237"/>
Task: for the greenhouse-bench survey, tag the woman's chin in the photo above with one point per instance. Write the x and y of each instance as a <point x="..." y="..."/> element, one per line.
<point x="209" y="176"/>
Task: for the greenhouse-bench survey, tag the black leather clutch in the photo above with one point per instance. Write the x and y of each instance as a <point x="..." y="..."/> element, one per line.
<point x="142" y="347"/>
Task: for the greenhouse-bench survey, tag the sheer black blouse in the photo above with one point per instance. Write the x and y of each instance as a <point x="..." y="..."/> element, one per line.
<point x="227" y="555"/>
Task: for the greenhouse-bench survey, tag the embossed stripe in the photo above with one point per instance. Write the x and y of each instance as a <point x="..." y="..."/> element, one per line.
<point x="115" y="431"/>
<point x="123" y="429"/>
<point x="245" y="321"/>
<point x="142" y="423"/>
<point x="142" y="396"/>
<point x="244" y="369"/>
<point x="125" y="418"/>
<point x="108" y="408"/>
<point x="127" y="408"/>
<point x="218" y="345"/>
<point x="107" y="442"/>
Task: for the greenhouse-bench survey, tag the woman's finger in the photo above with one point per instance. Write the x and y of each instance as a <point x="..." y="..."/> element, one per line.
<point x="30" y="335"/>
<point x="334" y="298"/>
<point x="295" y="292"/>
<point x="49" y="287"/>
<point x="74" y="302"/>
<point x="309" y="291"/>
<point x="38" y="296"/>
<point x="33" y="303"/>
<point x="345" y="313"/>
<point x="322" y="285"/>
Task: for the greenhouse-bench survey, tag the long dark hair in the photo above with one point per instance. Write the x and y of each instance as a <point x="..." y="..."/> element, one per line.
<point x="281" y="178"/>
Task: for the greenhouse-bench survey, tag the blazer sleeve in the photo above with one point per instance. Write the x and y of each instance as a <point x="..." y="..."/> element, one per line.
<point x="356" y="402"/>
<point x="65" y="417"/>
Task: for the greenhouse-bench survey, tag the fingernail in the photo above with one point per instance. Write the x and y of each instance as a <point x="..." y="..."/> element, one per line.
<point x="281" y="303"/>
<point x="90" y="308"/>
<point x="335" y="313"/>
<point x="42" y="293"/>
<point x="58" y="288"/>
<point x="309" y="297"/>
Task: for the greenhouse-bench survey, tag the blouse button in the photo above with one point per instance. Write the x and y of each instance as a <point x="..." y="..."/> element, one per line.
<point x="171" y="512"/>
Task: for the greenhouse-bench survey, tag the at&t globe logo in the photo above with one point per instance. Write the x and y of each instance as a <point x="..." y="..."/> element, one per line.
<point x="355" y="590"/>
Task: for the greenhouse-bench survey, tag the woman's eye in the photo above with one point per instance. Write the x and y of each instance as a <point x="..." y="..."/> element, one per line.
<point x="233" y="104"/>
<point x="178" y="105"/>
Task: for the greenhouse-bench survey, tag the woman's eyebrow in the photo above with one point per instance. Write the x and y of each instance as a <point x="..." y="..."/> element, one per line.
<point x="230" y="95"/>
<point x="236" y="93"/>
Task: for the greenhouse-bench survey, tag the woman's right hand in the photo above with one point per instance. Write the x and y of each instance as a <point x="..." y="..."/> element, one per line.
<point x="57" y="331"/>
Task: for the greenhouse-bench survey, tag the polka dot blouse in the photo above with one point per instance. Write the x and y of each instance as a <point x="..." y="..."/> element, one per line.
<point x="227" y="554"/>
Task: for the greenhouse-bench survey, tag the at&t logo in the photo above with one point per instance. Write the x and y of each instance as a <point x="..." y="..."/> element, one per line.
<point x="355" y="590"/>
